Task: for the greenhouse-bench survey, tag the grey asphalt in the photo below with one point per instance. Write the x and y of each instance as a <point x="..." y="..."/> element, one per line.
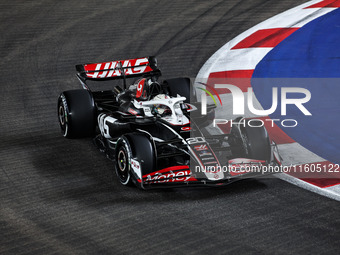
<point x="61" y="196"/>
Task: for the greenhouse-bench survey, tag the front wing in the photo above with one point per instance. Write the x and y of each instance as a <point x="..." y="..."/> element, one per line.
<point x="182" y="175"/>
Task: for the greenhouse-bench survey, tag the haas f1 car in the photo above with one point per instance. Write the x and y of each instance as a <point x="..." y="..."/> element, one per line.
<point x="154" y="131"/>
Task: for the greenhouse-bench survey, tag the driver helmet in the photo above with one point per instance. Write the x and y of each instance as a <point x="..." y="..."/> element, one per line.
<point x="162" y="110"/>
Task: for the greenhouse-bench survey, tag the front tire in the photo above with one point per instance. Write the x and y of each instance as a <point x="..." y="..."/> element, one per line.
<point x="250" y="141"/>
<point x="123" y="159"/>
<point x="138" y="147"/>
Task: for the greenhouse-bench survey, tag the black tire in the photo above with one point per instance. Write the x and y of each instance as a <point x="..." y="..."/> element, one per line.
<point x="250" y="141"/>
<point x="182" y="87"/>
<point x="77" y="114"/>
<point x="131" y="146"/>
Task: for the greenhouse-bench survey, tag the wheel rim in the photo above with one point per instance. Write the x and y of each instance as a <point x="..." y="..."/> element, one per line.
<point x="62" y="118"/>
<point x="122" y="163"/>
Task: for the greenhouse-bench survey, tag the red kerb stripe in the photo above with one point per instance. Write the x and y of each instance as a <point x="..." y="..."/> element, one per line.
<point x="326" y="3"/>
<point x="265" y="38"/>
<point x="239" y="78"/>
<point x="326" y="178"/>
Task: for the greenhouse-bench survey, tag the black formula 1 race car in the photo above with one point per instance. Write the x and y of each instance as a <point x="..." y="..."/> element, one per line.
<point x="155" y="132"/>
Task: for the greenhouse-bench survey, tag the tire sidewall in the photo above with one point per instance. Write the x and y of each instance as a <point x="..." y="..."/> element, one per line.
<point x="254" y="142"/>
<point x="80" y="113"/>
<point x="182" y="87"/>
<point x="139" y="147"/>
<point x="257" y="142"/>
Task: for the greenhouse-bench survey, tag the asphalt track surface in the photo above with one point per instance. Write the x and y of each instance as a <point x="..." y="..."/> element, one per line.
<point x="61" y="196"/>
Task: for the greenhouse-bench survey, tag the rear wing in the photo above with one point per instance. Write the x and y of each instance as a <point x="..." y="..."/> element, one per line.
<point x="120" y="69"/>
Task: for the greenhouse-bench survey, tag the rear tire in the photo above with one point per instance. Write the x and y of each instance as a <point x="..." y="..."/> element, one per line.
<point x="77" y="114"/>
<point x="133" y="146"/>
<point x="250" y="141"/>
<point x="182" y="87"/>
